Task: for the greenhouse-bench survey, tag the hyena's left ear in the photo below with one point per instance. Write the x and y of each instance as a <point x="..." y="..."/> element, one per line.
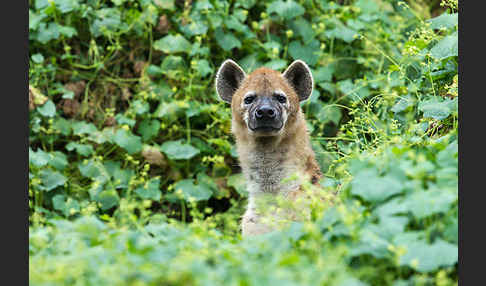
<point x="299" y="76"/>
<point x="228" y="79"/>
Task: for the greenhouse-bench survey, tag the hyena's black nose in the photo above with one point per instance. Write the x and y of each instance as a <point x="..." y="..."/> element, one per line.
<point x="265" y="112"/>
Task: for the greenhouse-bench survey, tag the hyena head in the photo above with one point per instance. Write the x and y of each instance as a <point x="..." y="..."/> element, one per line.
<point x="264" y="102"/>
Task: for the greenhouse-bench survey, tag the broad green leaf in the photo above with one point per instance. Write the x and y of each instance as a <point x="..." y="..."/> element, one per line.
<point x="203" y="68"/>
<point x="445" y="48"/>
<point x="67" y="205"/>
<point x="148" y="128"/>
<point x="66" y="6"/>
<point x="108" y="20"/>
<point x="444" y="21"/>
<point x="238" y="182"/>
<point x="51" y="179"/>
<point x="150" y="190"/>
<point x="343" y="33"/>
<point x="370" y="243"/>
<point x="176" y="150"/>
<point x="69" y="32"/>
<point x="278" y="64"/>
<point x="48" y="33"/>
<point x="58" y="160"/>
<point x="81" y="127"/>
<point x="128" y="141"/>
<point x="286" y="9"/>
<point x="437" y="108"/>
<point x="81" y="149"/>
<point x="62" y="125"/>
<point x="38" y="158"/>
<point x="425" y="203"/>
<point x="227" y="41"/>
<point x="191" y="191"/>
<point x="108" y="199"/>
<point x="173" y="44"/>
<point x="425" y="257"/>
<point x="94" y="170"/>
<point x="165" y="4"/>
<point x="323" y="73"/>
<point x="48" y="109"/>
<point x="330" y="113"/>
<point x="307" y="52"/>
<point x="195" y="27"/>
<point x="373" y="188"/>
<point x="302" y="28"/>
<point x="37" y="58"/>
<point x="402" y="104"/>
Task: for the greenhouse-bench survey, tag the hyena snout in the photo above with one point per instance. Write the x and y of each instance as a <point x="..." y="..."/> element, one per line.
<point x="265" y="117"/>
<point x="266" y="112"/>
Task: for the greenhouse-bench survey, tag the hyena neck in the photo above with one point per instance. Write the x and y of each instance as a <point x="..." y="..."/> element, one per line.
<point x="275" y="165"/>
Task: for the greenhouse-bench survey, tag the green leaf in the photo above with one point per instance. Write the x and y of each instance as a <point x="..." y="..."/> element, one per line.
<point x="444" y="21"/>
<point x="425" y="257"/>
<point x="425" y="203"/>
<point x="227" y="41"/>
<point x="323" y="74"/>
<point x="203" y="68"/>
<point x="125" y="139"/>
<point x="37" y="58"/>
<point x="46" y="34"/>
<point x="39" y="158"/>
<point x="343" y="33"/>
<point x="173" y="44"/>
<point x="67" y="205"/>
<point x="81" y="127"/>
<point x="402" y="104"/>
<point x="148" y="128"/>
<point x="195" y="27"/>
<point x="330" y="113"/>
<point x="69" y="32"/>
<point x="107" y="199"/>
<point x="238" y="182"/>
<point x="48" y="109"/>
<point x="437" y="108"/>
<point x="286" y="9"/>
<point x="81" y="149"/>
<point x="58" y="160"/>
<point x="150" y="190"/>
<point x="51" y="179"/>
<point x="94" y="170"/>
<point x="62" y="125"/>
<point x="176" y="150"/>
<point x="66" y="6"/>
<point x="373" y="188"/>
<point x="302" y="28"/>
<point x="108" y="20"/>
<point x="278" y="64"/>
<point x="308" y="52"/>
<point x="191" y="191"/>
<point x="445" y="48"/>
<point x="165" y="4"/>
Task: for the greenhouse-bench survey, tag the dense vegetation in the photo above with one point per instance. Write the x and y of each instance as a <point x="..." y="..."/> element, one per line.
<point x="133" y="175"/>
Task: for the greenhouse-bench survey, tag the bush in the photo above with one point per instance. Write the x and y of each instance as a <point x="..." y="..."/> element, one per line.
<point x="133" y="175"/>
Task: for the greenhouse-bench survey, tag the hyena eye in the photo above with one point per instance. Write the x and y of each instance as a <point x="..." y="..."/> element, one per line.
<point x="249" y="99"/>
<point x="281" y="98"/>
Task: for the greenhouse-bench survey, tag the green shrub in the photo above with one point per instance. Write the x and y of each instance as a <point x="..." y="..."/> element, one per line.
<point x="133" y="175"/>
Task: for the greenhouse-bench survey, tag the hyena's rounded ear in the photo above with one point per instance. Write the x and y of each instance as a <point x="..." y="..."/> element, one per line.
<point x="228" y="79"/>
<point x="300" y="78"/>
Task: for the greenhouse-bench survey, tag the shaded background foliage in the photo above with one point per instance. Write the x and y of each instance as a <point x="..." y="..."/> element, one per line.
<point x="132" y="168"/>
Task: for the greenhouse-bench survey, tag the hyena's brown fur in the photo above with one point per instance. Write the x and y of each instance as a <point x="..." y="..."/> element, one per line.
<point x="267" y="161"/>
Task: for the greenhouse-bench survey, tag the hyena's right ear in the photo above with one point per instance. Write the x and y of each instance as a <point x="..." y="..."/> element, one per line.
<point x="228" y="79"/>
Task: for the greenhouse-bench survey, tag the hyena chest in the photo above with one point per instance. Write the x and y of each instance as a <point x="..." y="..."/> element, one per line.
<point x="270" y="172"/>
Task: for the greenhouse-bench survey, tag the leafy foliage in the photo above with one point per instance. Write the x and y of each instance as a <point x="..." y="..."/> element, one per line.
<point x="133" y="173"/>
